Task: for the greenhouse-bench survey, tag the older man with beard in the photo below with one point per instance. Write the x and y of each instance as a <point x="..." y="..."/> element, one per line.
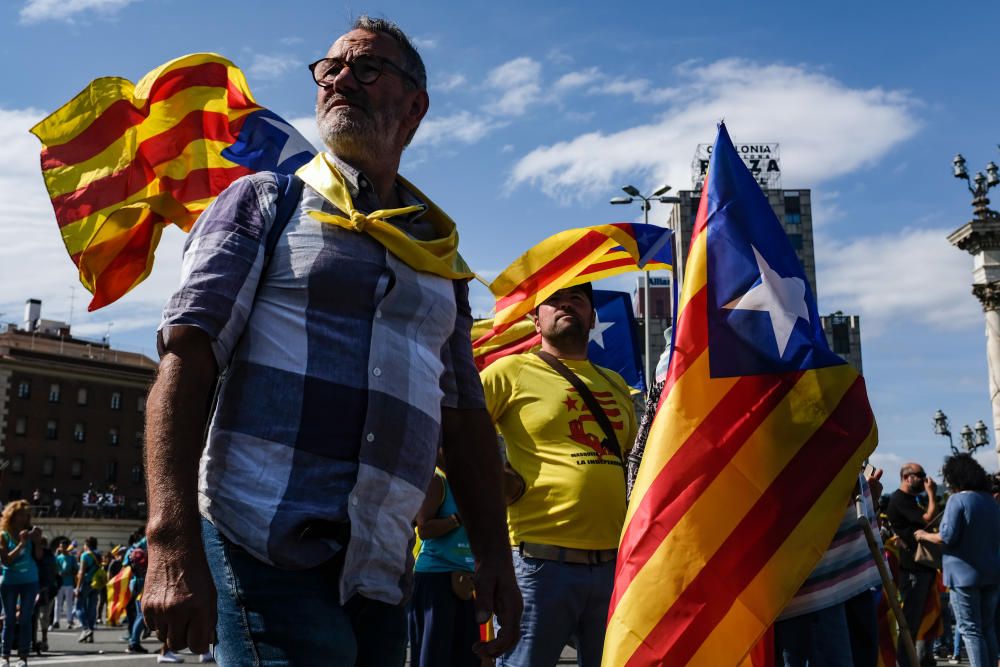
<point x="348" y="358"/>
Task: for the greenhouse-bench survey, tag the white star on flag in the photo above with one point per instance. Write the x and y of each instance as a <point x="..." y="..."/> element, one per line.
<point x="597" y="333"/>
<point x="783" y="299"/>
<point x="294" y="144"/>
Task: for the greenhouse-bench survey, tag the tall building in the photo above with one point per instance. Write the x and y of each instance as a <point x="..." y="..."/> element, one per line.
<point x="660" y="306"/>
<point x="843" y="333"/>
<point x="72" y="417"/>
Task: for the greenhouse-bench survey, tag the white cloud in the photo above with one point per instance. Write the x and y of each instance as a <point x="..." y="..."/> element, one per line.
<point x="33" y="260"/>
<point x="463" y="127"/>
<point x="36" y="11"/>
<point x="306" y="125"/>
<point x="426" y="43"/>
<point x="914" y="276"/>
<point x="578" y="79"/>
<point x="519" y="83"/>
<point x="267" y="67"/>
<point x="641" y="90"/>
<point x="826" y="129"/>
<point x="449" y="82"/>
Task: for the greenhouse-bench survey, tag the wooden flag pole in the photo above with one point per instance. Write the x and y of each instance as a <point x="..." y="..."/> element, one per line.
<point x="890" y="590"/>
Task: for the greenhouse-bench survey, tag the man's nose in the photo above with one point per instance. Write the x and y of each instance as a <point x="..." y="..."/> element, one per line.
<point x="345" y="80"/>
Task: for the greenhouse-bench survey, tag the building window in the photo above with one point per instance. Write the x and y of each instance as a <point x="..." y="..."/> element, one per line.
<point x="17" y="464"/>
<point x="111" y="472"/>
<point x="49" y="466"/>
<point x="113" y="437"/>
<point x="141" y="403"/>
<point x="792" y="202"/>
<point x="76" y="469"/>
<point x="81" y="396"/>
<point x="796" y="240"/>
<point x="116" y="400"/>
<point x="53" y="393"/>
<point x="137" y="474"/>
<point x="139" y="439"/>
<point x="20" y="426"/>
<point x="51" y="429"/>
<point x="79" y="432"/>
<point x="841" y="335"/>
<point x="793" y="218"/>
<point x="24" y="389"/>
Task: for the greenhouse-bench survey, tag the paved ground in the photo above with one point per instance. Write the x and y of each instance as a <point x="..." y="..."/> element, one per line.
<point x="108" y="650"/>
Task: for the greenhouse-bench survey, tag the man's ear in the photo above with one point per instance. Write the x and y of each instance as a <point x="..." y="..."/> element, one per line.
<point x="415" y="113"/>
<point x="593" y="318"/>
<point x="534" y="320"/>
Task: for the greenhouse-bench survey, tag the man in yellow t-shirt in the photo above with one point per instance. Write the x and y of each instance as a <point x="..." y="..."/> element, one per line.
<point x="570" y="483"/>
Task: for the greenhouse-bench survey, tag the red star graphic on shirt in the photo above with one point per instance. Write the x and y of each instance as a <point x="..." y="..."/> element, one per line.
<point x="570" y="403"/>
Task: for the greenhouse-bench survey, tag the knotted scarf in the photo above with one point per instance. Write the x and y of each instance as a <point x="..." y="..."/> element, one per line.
<point x="438" y="256"/>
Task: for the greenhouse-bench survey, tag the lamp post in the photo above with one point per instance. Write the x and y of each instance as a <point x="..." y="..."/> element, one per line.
<point x="971" y="438"/>
<point x="941" y="427"/>
<point x="980" y="237"/>
<point x="658" y="195"/>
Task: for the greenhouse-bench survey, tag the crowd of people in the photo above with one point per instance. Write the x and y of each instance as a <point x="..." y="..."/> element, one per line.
<point x="96" y="502"/>
<point x="44" y="586"/>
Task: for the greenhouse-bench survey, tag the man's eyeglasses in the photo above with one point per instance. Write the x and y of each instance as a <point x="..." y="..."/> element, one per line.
<point x="918" y="475"/>
<point x="366" y="69"/>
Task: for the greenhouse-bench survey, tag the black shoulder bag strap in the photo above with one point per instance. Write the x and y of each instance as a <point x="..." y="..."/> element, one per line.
<point x="289" y="193"/>
<point x="610" y="439"/>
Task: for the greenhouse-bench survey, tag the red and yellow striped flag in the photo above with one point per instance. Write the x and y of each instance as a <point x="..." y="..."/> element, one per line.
<point x="754" y="451"/>
<point x="488" y="345"/>
<point x="573" y="257"/>
<point x="120" y="161"/>
<point x="119" y="594"/>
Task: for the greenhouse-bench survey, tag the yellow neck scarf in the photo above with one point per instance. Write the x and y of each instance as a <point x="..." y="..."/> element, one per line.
<point x="439" y="256"/>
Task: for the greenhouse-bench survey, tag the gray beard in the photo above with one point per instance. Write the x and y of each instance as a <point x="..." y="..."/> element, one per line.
<point x="362" y="140"/>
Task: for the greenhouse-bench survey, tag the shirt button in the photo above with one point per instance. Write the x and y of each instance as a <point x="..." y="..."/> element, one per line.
<point x="354" y="500"/>
<point x="378" y="313"/>
<point x="362" y="183"/>
<point x="377" y="372"/>
<point x="370" y="437"/>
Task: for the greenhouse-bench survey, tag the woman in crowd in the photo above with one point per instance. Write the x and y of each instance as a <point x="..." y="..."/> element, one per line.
<point x="86" y="596"/>
<point x="442" y="615"/>
<point x="20" y="546"/>
<point x="970" y="533"/>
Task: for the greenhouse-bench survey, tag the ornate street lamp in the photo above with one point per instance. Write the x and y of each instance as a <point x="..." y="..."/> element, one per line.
<point x="941" y="427"/>
<point x="980" y="237"/>
<point x="659" y="195"/>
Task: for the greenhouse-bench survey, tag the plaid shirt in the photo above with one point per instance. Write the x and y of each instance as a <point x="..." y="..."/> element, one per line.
<point x="340" y="360"/>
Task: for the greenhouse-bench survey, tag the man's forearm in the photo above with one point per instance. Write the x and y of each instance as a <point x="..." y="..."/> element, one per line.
<point x="175" y="425"/>
<point x="475" y="474"/>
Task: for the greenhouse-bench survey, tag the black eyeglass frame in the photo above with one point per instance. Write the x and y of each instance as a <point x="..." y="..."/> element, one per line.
<point x="379" y="70"/>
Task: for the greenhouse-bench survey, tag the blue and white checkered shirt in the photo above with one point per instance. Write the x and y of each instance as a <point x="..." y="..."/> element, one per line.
<point x="339" y="363"/>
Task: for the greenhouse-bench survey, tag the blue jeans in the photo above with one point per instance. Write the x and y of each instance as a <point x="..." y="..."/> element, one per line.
<point x="975" y="613"/>
<point x="816" y="639"/>
<point x="86" y="607"/>
<point x="12" y="595"/>
<point x="272" y="617"/>
<point x="135" y="636"/>
<point x="442" y="627"/>
<point x="563" y="602"/>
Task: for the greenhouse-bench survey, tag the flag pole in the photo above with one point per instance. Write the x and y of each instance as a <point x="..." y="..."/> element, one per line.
<point x="647" y="320"/>
<point x="890" y="589"/>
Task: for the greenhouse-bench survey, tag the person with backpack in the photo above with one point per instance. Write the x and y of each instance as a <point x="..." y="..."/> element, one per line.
<point x="49" y="583"/>
<point x="20" y="546"/>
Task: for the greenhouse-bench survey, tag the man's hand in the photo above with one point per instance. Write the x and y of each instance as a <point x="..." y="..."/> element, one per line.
<point x="497" y="593"/>
<point x="930" y="486"/>
<point x="178" y="600"/>
<point x="874" y="484"/>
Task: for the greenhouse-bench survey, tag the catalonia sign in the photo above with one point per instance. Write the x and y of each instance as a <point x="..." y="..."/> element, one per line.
<point x="763" y="161"/>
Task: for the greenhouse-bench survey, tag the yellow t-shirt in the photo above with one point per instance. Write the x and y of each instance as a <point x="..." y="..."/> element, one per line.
<point x="575" y="491"/>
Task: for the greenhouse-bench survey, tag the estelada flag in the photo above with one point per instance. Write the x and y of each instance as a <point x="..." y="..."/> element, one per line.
<point x="120" y="161"/>
<point x="754" y="451"/>
<point x="576" y="256"/>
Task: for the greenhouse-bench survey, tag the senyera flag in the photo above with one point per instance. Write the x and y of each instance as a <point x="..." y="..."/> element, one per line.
<point x="754" y="451"/>
<point x="120" y="161"/>
<point x="576" y="256"/>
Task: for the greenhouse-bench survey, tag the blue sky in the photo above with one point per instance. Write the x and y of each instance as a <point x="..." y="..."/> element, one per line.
<point x="540" y="111"/>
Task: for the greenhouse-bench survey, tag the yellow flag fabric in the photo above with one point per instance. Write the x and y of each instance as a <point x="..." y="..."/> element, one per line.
<point x="439" y="256"/>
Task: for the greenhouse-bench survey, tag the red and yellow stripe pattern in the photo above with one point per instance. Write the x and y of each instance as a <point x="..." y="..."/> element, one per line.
<point x="740" y="491"/>
<point x="121" y="160"/>
<point x="569" y="258"/>
<point x="488" y="346"/>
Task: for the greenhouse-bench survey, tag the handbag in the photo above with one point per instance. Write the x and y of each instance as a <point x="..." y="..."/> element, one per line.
<point x="928" y="554"/>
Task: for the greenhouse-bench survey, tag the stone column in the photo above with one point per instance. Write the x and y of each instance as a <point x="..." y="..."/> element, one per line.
<point x="981" y="239"/>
